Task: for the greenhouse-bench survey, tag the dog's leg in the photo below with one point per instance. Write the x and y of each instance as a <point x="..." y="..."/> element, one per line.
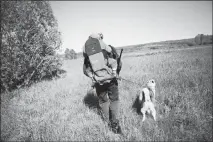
<point x="140" y="97"/>
<point x="153" y="112"/>
<point x="143" y="111"/>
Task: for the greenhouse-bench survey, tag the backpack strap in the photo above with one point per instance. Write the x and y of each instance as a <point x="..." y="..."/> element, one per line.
<point x="87" y="63"/>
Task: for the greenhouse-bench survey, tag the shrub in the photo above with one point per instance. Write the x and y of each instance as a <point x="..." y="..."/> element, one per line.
<point x="30" y="37"/>
<point x="201" y="39"/>
<point x="190" y="44"/>
<point x="154" y="48"/>
<point x="70" y="54"/>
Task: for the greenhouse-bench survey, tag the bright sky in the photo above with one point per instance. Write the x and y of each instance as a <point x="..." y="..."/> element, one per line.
<point x="131" y="22"/>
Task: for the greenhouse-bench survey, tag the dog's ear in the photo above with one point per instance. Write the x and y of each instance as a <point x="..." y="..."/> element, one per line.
<point x="148" y="81"/>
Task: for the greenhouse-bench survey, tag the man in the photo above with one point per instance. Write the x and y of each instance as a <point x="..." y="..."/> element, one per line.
<point x="107" y="91"/>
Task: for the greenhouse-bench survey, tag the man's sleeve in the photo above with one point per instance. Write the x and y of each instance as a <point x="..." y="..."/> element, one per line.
<point x="87" y="69"/>
<point x="114" y="52"/>
<point x="105" y="46"/>
<point x="116" y="56"/>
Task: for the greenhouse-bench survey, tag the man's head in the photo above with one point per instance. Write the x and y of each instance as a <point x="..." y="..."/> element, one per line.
<point x="101" y="35"/>
<point x="97" y="36"/>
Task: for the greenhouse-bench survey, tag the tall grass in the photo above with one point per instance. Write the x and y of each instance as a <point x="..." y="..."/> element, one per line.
<point x="62" y="109"/>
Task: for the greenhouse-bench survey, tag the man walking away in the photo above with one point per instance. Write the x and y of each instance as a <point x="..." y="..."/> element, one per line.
<point x="100" y="63"/>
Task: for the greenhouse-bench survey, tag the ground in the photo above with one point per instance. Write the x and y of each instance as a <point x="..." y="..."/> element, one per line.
<point x="65" y="109"/>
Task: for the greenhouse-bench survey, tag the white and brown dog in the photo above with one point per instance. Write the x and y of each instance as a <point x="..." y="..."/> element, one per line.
<point x="146" y="99"/>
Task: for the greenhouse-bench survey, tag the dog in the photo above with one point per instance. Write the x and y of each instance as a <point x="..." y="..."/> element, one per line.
<point x="147" y="98"/>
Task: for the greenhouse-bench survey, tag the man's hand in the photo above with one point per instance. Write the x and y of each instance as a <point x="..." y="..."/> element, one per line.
<point x="114" y="73"/>
<point x="93" y="80"/>
<point x="91" y="76"/>
<point x="118" y="78"/>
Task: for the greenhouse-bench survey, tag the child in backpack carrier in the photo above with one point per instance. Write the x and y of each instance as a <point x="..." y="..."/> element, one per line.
<point x="109" y="72"/>
<point x="101" y="64"/>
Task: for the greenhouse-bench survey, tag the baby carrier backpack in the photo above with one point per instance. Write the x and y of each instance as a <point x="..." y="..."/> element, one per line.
<point x="97" y="57"/>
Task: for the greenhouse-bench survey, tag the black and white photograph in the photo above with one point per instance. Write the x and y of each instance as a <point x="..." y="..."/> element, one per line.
<point x="106" y="70"/>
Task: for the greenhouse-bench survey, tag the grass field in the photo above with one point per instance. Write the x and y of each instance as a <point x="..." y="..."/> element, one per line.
<point x="61" y="109"/>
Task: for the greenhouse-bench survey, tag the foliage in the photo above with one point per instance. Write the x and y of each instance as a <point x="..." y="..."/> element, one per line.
<point x="202" y="39"/>
<point x="30" y="37"/>
<point x="70" y="54"/>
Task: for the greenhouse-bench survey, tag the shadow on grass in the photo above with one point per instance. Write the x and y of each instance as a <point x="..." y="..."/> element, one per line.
<point x="91" y="100"/>
<point x="136" y="105"/>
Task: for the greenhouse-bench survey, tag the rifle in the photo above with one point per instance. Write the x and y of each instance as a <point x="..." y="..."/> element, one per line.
<point x="118" y="61"/>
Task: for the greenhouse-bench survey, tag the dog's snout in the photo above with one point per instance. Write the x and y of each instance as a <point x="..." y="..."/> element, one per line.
<point x="152" y="81"/>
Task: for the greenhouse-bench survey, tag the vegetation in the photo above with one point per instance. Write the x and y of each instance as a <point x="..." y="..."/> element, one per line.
<point x="202" y="39"/>
<point x="65" y="109"/>
<point x="30" y="37"/>
<point x="182" y="43"/>
<point x="70" y="54"/>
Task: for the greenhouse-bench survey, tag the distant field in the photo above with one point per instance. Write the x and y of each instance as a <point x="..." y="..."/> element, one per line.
<point x="61" y="109"/>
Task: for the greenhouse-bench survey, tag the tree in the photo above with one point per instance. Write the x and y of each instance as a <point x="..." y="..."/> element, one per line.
<point x="199" y="39"/>
<point x="70" y="54"/>
<point x="30" y="37"/>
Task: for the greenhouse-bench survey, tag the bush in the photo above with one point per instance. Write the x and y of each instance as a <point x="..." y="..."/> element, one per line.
<point x="199" y="39"/>
<point x="70" y="54"/>
<point x="202" y="39"/>
<point x="30" y="37"/>
<point x="154" y="48"/>
<point x="190" y="44"/>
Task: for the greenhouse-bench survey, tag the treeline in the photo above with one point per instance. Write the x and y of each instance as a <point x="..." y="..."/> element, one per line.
<point x="199" y="39"/>
<point x="30" y="38"/>
<point x="202" y="39"/>
<point x="70" y="54"/>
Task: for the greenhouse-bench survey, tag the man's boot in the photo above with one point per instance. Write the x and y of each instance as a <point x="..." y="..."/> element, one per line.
<point x="105" y="111"/>
<point x="115" y="127"/>
<point x="114" y="123"/>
